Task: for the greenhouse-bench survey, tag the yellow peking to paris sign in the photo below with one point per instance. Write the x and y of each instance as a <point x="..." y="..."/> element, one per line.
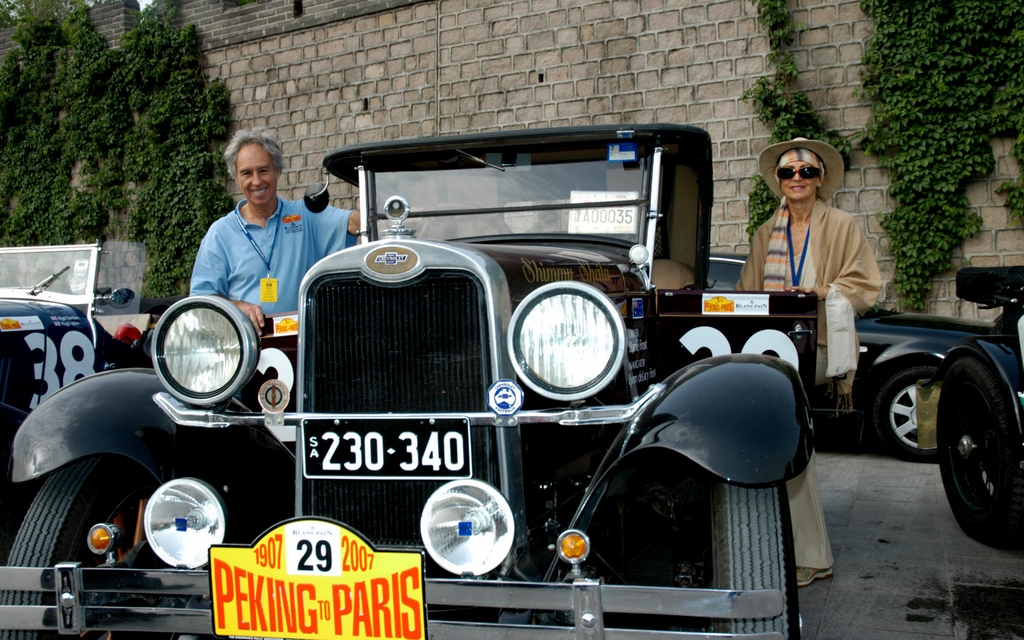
<point x="312" y="578"/>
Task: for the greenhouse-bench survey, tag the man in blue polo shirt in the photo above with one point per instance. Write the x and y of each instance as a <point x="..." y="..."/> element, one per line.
<point x="256" y="255"/>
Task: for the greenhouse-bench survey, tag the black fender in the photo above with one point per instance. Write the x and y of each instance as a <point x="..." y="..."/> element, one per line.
<point x="1002" y="353"/>
<point x="113" y="413"/>
<point x="108" y="413"/>
<point x="741" y="418"/>
<point x="744" y="418"/>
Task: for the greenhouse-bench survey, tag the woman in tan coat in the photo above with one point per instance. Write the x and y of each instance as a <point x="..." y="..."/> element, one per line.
<point x="810" y="246"/>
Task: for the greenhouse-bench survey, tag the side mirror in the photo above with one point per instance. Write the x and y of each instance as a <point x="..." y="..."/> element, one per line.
<point x="118" y="298"/>
<point x="316" y="196"/>
<point x="121" y="297"/>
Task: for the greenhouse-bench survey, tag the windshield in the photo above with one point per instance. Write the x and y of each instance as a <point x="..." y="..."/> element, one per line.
<point x="80" y="270"/>
<point x="500" y="194"/>
<point x="25" y="268"/>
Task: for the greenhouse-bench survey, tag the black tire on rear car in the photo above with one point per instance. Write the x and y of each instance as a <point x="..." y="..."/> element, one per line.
<point x="895" y="414"/>
<point x="978" y="437"/>
<point x="71" y="500"/>
<point x="753" y="549"/>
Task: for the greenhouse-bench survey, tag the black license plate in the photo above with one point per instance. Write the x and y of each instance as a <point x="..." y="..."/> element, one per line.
<point x="403" y="448"/>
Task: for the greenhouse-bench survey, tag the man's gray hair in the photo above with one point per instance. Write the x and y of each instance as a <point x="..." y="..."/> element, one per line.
<point x="257" y="135"/>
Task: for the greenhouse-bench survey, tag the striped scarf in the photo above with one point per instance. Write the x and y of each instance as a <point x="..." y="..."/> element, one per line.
<point x="778" y="245"/>
<point x="778" y="251"/>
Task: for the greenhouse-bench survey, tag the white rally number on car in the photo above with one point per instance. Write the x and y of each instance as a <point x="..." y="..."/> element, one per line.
<point x="75" y="354"/>
<point x="276" y="359"/>
<point x="313" y="547"/>
<point x="764" y="341"/>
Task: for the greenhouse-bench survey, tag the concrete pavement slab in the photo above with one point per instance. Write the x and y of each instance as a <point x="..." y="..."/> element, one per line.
<point x="903" y="568"/>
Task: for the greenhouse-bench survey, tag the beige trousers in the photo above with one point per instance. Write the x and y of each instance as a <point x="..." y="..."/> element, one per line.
<point x="810" y="538"/>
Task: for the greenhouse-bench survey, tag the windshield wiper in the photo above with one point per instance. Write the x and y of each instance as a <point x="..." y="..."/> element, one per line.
<point x="39" y="288"/>
<point x="471" y="157"/>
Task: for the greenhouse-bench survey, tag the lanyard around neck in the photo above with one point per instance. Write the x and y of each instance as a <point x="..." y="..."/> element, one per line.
<point x="792" y="263"/>
<point x="277" y="230"/>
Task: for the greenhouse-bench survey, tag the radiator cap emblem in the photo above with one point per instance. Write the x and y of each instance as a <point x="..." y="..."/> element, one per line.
<point x="390" y="261"/>
<point x="273" y="396"/>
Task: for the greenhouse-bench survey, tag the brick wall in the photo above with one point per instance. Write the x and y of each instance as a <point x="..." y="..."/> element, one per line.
<point x="323" y="73"/>
<point x="113" y="19"/>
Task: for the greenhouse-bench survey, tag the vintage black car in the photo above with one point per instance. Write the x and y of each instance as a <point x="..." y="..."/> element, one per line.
<point x="514" y="410"/>
<point x="971" y="408"/>
<point x="896" y="350"/>
<point x="65" y="312"/>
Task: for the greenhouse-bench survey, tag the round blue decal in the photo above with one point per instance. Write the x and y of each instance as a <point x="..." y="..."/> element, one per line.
<point x="505" y="397"/>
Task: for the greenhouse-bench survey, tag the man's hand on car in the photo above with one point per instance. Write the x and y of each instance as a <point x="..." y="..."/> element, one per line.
<point x="254" y="311"/>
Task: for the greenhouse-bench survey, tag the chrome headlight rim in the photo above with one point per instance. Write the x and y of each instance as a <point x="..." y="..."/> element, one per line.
<point x="502" y="546"/>
<point x="608" y="309"/>
<point x="212" y="499"/>
<point x="247" y="339"/>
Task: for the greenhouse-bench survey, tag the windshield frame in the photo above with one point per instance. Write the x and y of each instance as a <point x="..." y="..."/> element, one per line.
<point x="683" y="146"/>
<point x="584" y="159"/>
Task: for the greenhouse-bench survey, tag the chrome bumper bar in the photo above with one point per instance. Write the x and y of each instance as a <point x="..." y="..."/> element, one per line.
<point x="180" y="413"/>
<point x="80" y="591"/>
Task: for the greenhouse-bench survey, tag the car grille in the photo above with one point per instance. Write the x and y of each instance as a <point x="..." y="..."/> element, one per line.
<point x="417" y="347"/>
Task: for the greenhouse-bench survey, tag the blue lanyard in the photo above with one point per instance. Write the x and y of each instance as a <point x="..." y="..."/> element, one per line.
<point x="792" y="265"/>
<point x="277" y="231"/>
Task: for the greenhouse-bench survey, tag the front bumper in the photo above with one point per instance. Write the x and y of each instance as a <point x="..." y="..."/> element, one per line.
<point x="284" y="425"/>
<point x="81" y="592"/>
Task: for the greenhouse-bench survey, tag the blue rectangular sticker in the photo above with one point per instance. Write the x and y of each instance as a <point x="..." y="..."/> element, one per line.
<point x="622" y="152"/>
<point x="638" y="308"/>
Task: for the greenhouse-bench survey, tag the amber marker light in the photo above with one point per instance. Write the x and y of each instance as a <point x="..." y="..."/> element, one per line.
<point x="103" y="538"/>
<point x="573" y="546"/>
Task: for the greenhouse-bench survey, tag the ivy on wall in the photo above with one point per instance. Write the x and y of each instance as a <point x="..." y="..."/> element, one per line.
<point x="120" y="142"/>
<point x="789" y="113"/>
<point x="947" y="76"/>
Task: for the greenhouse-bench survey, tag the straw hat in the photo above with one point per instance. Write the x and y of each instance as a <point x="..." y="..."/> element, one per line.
<point x="834" y="169"/>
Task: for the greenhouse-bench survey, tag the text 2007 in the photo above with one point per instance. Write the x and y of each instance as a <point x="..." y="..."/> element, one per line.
<point x="355" y="556"/>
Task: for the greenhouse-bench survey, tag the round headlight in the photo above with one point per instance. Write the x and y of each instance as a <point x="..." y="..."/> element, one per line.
<point x="467" y="527"/>
<point x="204" y="350"/>
<point x="566" y="340"/>
<point x="184" y="517"/>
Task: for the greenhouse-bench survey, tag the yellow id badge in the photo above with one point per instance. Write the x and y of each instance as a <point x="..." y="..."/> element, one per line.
<point x="268" y="289"/>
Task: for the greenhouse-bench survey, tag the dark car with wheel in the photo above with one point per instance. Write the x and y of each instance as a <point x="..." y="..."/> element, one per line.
<point x="975" y="398"/>
<point x="896" y="350"/>
<point x="515" y="409"/>
<point x="66" y="312"/>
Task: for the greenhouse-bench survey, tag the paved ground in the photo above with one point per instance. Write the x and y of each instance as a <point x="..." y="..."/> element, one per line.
<point x="903" y="568"/>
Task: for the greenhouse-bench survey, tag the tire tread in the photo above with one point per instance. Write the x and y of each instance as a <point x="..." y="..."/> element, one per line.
<point x="1002" y="524"/>
<point x="753" y="550"/>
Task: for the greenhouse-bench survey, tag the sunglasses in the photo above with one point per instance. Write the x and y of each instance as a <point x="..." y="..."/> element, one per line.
<point x="785" y="173"/>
